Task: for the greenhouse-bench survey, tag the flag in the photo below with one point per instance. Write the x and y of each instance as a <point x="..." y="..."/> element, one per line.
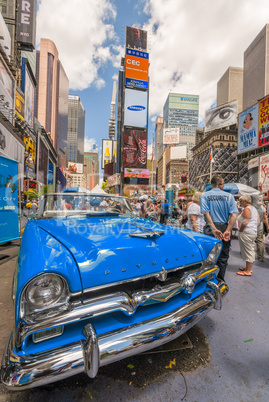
<point x="211" y="154"/>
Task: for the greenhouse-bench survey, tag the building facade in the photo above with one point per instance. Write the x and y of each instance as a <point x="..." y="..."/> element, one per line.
<point x="51" y="106"/>
<point x="230" y="87"/>
<point x="181" y="110"/>
<point x="256" y="69"/>
<point x="91" y="169"/>
<point x="158" y="138"/>
<point x="224" y="163"/>
<point x="76" y="130"/>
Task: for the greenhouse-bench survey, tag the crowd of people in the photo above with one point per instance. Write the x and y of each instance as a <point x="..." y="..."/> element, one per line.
<point x="217" y="213"/>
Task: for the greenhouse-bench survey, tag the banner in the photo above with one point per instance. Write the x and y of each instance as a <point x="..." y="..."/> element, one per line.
<point x="134" y="152"/>
<point x="264" y="173"/>
<point x="9" y="216"/>
<point x="248" y="129"/>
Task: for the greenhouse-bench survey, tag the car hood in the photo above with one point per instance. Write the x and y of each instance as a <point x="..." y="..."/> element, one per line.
<point x="105" y="252"/>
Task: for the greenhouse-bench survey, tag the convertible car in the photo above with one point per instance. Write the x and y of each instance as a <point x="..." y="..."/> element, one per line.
<point x="95" y="284"/>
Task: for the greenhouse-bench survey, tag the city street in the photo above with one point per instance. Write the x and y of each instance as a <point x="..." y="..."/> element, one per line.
<point x="237" y="370"/>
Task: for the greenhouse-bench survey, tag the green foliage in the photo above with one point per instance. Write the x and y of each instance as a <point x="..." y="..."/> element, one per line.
<point x="31" y="194"/>
<point x="104" y="184"/>
<point x="46" y="189"/>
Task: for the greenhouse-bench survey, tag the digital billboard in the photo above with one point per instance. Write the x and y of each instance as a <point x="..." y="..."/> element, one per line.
<point x="108" y="150"/>
<point x="28" y="87"/>
<point x="137" y="173"/>
<point x="19" y="104"/>
<point x="134" y="152"/>
<point x="135" y="108"/>
<point x="222" y="116"/>
<point x="248" y="129"/>
<point x="171" y="135"/>
<point x="136" y="38"/>
<point x="136" y="68"/>
<point x="263" y="122"/>
<point x="26" y="28"/>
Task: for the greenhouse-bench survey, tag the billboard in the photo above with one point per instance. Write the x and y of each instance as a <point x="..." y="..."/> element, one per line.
<point x="136" y="108"/>
<point x="248" y="129"/>
<point x="263" y="138"/>
<point x="26" y="28"/>
<point x="9" y="218"/>
<point x="136" y="39"/>
<point x="183" y="179"/>
<point x="178" y="152"/>
<point x="74" y="167"/>
<point x="19" y="104"/>
<point x="134" y="152"/>
<point x="6" y="86"/>
<point x="171" y="135"/>
<point x="113" y="180"/>
<point x="136" y="68"/>
<point x="264" y="173"/>
<point x="222" y="116"/>
<point x="5" y="37"/>
<point x="137" y="173"/>
<point x="28" y="87"/>
<point x="253" y="169"/>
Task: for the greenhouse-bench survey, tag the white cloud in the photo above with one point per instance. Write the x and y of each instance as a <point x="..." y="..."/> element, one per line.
<point x="88" y="144"/>
<point x="192" y="43"/>
<point x="81" y="31"/>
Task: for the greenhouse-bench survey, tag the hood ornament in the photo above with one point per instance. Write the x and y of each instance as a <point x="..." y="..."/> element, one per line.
<point x="162" y="276"/>
<point x="146" y="233"/>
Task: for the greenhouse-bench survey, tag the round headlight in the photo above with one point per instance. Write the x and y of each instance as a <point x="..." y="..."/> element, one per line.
<point x="214" y="254"/>
<point x="44" y="290"/>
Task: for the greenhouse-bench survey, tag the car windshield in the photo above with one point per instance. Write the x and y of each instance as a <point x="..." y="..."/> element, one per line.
<point x="72" y="204"/>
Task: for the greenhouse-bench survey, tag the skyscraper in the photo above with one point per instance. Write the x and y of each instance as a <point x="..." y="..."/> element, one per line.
<point x="51" y="108"/>
<point x="256" y="69"/>
<point x="76" y="130"/>
<point x="230" y="87"/>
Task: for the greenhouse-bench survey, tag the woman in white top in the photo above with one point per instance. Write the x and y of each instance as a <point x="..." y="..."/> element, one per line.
<point x="196" y="220"/>
<point x="248" y="222"/>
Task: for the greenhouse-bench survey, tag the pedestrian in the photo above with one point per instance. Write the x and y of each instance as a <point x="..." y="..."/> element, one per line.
<point x="164" y="212"/>
<point x="196" y="220"/>
<point x="263" y="226"/>
<point x="220" y="213"/>
<point x="248" y="222"/>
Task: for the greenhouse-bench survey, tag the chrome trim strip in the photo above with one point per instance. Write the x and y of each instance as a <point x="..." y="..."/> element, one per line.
<point x="22" y="372"/>
<point x="119" y="301"/>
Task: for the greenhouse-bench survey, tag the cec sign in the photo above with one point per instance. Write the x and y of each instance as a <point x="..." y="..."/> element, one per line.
<point x="136" y="68"/>
<point x="135" y="108"/>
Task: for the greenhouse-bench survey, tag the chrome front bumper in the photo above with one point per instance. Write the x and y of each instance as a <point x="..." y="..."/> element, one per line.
<point x="22" y="372"/>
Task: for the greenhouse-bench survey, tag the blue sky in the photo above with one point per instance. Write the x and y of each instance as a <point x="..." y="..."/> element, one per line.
<point x="191" y="44"/>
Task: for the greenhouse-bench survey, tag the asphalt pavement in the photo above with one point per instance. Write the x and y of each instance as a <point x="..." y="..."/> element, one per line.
<point x="238" y="364"/>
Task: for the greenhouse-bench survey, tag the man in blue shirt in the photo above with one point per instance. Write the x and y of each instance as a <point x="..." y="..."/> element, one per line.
<point x="220" y="212"/>
<point x="164" y="212"/>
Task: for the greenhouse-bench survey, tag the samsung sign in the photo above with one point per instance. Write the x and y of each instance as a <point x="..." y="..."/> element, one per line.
<point x="135" y="110"/>
<point x="26" y="29"/>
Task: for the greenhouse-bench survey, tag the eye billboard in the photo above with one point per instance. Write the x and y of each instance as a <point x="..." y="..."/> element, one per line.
<point x="222" y="116"/>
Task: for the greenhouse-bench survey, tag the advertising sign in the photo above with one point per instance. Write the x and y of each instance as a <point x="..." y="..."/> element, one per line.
<point x="6" y="86"/>
<point x="75" y="167"/>
<point x="222" y="116"/>
<point x="264" y="122"/>
<point x="183" y="179"/>
<point x="135" y="108"/>
<point x="50" y="173"/>
<point x="19" y="104"/>
<point x="253" y="169"/>
<point x="26" y="28"/>
<point x="28" y="87"/>
<point x="171" y="135"/>
<point x="9" y="219"/>
<point x="5" y="37"/>
<point x="107" y="152"/>
<point x="113" y="180"/>
<point x="136" y="38"/>
<point x="136" y="67"/>
<point x="31" y="185"/>
<point x="264" y="173"/>
<point x="137" y="173"/>
<point x="43" y="163"/>
<point x="134" y="152"/>
<point x="248" y="129"/>
<point x="179" y="152"/>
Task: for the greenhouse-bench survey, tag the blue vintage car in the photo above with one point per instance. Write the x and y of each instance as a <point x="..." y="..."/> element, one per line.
<point x="95" y="284"/>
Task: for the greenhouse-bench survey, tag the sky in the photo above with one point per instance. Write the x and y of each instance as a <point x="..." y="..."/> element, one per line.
<point x="191" y="43"/>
